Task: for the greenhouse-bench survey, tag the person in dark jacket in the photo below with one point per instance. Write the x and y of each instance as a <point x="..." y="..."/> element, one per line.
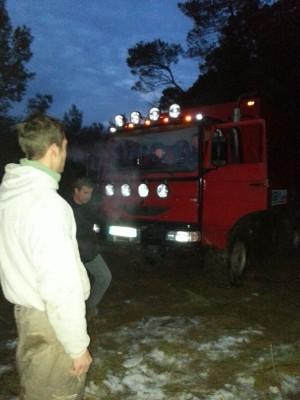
<point x="87" y="229"/>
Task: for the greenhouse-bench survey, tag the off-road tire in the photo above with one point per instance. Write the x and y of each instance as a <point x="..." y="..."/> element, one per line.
<point x="237" y="256"/>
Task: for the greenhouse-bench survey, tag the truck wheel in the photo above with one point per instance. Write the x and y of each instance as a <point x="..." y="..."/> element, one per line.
<point x="237" y="262"/>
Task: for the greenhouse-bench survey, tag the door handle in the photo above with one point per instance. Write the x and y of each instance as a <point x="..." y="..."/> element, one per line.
<point x="258" y="184"/>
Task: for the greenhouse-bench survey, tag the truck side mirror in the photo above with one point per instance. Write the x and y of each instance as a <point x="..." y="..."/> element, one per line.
<point x="219" y="149"/>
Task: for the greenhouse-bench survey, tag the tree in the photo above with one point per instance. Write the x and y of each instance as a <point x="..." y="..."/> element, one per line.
<point x="92" y="132"/>
<point x="209" y="17"/>
<point x="73" y="121"/>
<point x="14" y="54"/>
<point x="152" y="63"/>
<point x="259" y="51"/>
<point x="39" y="104"/>
<point x="170" y="96"/>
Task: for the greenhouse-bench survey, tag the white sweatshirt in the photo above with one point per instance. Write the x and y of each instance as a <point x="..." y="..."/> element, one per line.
<point x="40" y="266"/>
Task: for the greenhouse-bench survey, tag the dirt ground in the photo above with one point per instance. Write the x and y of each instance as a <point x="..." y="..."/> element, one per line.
<point x="179" y="287"/>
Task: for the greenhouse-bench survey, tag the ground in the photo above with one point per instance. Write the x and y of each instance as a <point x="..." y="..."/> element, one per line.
<point x="172" y="330"/>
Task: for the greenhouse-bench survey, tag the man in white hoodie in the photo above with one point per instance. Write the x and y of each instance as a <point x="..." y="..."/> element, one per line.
<point x="40" y="267"/>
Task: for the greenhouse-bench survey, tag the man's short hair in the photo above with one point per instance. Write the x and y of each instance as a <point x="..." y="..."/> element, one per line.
<point x="83" y="181"/>
<point x="158" y="145"/>
<point x="38" y="133"/>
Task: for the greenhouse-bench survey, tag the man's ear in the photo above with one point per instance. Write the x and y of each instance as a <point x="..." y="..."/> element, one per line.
<point x="53" y="149"/>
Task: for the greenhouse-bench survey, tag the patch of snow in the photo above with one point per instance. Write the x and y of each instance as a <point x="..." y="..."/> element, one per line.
<point x="5" y="368"/>
<point x="11" y="344"/>
<point x="172" y="358"/>
<point x="132" y="362"/>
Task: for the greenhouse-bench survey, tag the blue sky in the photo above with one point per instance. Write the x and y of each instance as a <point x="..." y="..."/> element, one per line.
<point x="80" y="50"/>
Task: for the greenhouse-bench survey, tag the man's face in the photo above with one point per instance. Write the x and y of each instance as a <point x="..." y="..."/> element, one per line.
<point x="83" y="195"/>
<point x="159" y="153"/>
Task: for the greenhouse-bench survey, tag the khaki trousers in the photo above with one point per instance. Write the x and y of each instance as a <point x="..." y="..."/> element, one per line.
<point x="43" y="365"/>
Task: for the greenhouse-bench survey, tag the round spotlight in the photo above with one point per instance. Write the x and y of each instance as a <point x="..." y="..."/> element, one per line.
<point x="120" y="120"/>
<point x="136" y="117"/>
<point x="143" y="190"/>
<point x="162" y="190"/>
<point x="125" y="190"/>
<point x="174" y="111"/>
<point x="154" y="114"/>
<point x="109" y="190"/>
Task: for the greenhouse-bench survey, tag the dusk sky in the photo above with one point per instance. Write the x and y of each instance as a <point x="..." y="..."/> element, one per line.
<point x="80" y="50"/>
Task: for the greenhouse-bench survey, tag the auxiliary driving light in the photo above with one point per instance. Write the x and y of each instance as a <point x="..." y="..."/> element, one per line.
<point x="112" y="129"/>
<point x="120" y="120"/>
<point x="143" y="190"/>
<point x="154" y="114"/>
<point x="125" y="190"/>
<point x="136" y="117"/>
<point x="162" y="190"/>
<point x="96" y="228"/>
<point x="109" y="190"/>
<point x="174" y="111"/>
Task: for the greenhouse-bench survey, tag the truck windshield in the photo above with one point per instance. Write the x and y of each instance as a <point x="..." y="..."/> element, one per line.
<point x="167" y="150"/>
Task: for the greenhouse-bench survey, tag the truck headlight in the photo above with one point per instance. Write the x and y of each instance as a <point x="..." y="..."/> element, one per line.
<point x="122" y="231"/>
<point x="183" y="236"/>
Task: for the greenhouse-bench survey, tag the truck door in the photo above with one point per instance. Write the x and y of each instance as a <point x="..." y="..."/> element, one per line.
<point x="234" y="179"/>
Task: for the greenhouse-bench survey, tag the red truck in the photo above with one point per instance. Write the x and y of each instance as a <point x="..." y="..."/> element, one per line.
<point x="225" y="175"/>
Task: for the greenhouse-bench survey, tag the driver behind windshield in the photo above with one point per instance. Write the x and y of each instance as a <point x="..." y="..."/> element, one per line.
<point x="158" y="155"/>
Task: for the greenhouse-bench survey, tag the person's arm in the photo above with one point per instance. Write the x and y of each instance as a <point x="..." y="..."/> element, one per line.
<point x="62" y="281"/>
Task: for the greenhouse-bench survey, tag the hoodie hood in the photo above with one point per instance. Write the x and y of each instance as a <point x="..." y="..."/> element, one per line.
<point x="20" y="180"/>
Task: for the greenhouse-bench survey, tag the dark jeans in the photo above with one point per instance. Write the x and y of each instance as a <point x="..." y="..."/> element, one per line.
<point x="102" y="278"/>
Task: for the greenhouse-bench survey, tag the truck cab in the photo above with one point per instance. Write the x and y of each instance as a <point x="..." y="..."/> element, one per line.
<point x="212" y="184"/>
